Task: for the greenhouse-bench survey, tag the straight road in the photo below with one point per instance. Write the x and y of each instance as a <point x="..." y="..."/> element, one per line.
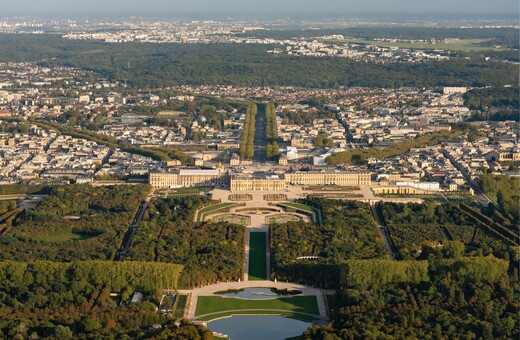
<point x="260" y="141"/>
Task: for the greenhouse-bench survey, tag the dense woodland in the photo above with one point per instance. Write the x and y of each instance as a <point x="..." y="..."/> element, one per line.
<point x="505" y="192"/>
<point x="72" y="300"/>
<point x="424" y="227"/>
<point x="495" y="97"/>
<point x="348" y="231"/>
<point x="162" y="65"/>
<point x="75" y="222"/>
<point x="210" y="252"/>
<point x="460" y="298"/>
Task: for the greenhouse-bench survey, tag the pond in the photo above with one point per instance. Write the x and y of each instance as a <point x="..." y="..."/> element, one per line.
<point x="259" y="327"/>
<point x="258" y="293"/>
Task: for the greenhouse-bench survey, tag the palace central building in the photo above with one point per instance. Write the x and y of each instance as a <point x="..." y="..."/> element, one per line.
<point x="196" y="177"/>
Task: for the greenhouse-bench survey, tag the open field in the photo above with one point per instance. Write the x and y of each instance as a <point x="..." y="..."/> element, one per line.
<point x="257" y="256"/>
<point x="213" y="304"/>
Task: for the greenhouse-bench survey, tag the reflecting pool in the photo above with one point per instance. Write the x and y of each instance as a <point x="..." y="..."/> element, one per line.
<point x="258" y="293"/>
<point x="259" y="327"/>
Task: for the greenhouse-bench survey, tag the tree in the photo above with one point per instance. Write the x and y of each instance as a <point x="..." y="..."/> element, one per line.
<point x="453" y="249"/>
<point x="63" y="332"/>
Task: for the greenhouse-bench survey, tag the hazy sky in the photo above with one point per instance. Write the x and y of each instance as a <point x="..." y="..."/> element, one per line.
<point x="237" y="7"/>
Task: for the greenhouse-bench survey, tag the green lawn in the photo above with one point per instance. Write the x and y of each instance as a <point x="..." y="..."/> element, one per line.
<point x="213" y="304"/>
<point x="298" y="206"/>
<point x="181" y="304"/>
<point x="212" y="208"/>
<point x="304" y="208"/>
<point x="257" y="256"/>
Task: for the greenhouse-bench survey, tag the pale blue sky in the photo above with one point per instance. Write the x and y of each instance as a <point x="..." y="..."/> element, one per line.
<point x="237" y="7"/>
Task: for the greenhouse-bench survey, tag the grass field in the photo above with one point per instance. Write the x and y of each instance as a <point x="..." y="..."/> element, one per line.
<point x="257" y="256"/>
<point x="213" y="304"/>
<point x="181" y="304"/>
<point x="303" y="208"/>
<point x="298" y="206"/>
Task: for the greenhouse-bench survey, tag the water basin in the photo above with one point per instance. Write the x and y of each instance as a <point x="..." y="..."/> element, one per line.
<point x="258" y="293"/>
<point x="259" y="327"/>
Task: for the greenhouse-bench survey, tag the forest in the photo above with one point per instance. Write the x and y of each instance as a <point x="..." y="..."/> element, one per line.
<point x="460" y="298"/>
<point x="504" y="191"/>
<point x="348" y="231"/>
<point x="162" y="65"/>
<point x="54" y="300"/>
<point x="493" y="98"/>
<point x="74" y="222"/>
<point x="424" y="227"/>
<point x="209" y="252"/>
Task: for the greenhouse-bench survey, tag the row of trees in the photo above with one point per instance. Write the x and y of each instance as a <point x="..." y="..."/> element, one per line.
<point x="247" y="143"/>
<point x="209" y="252"/>
<point x="358" y="156"/>
<point x="272" y="149"/>
<point x="74" y="222"/>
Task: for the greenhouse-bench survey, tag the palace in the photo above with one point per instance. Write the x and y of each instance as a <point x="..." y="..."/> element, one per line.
<point x="339" y="178"/>
<point x="188" y="177"/>
<point x="196" y="177"/>
<point x="258" y="182"/>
